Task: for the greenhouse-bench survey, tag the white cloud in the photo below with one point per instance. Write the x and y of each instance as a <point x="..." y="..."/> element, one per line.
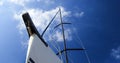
<point x="68" y="33"/>
<point x="79" y="14"/>
<point x="58" y="36"/>
<point x="41" y="18"/>
<point x="24" y="2"/>
<point x="19" y="2"/>
<point x="116" y="53"/>
<point x="24" y="44"/>
<point x="47" y="1"/>
<point x="1" y="3"/>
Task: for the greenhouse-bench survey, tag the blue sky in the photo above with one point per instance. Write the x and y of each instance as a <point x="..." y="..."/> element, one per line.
<point x="94" y="22"/>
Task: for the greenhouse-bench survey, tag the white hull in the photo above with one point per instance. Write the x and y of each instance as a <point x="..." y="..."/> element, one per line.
<point x="39" y="53"/>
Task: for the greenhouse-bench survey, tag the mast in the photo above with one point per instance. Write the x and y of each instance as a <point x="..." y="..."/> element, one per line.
<point x="65" y="45"/>
<point x="66" y="56"/>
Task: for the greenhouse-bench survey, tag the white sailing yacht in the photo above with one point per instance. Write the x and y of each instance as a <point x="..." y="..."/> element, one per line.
<point x="38" y="50"/>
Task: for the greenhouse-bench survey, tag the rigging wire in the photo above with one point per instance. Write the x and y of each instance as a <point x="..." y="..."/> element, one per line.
<point x="82" y="45"/>
<point x="50" y="22"/>
<point x="57" y="47"/>
<point x="70" y="58"/>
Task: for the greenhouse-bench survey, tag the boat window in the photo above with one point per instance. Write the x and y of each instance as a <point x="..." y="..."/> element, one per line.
<point x="31" y="60"/>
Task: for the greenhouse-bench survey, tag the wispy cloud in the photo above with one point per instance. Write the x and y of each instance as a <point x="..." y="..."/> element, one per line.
<point x="24" y="44"/>
<point x="116" y="53"/>
<point x="24" y="2"/>
<point x="79" y="14"/>
<point x="19" y="2"/>
<point x="1" y="2"/>
<point x="46" y="1"/>
<point x="58" y="36"/>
